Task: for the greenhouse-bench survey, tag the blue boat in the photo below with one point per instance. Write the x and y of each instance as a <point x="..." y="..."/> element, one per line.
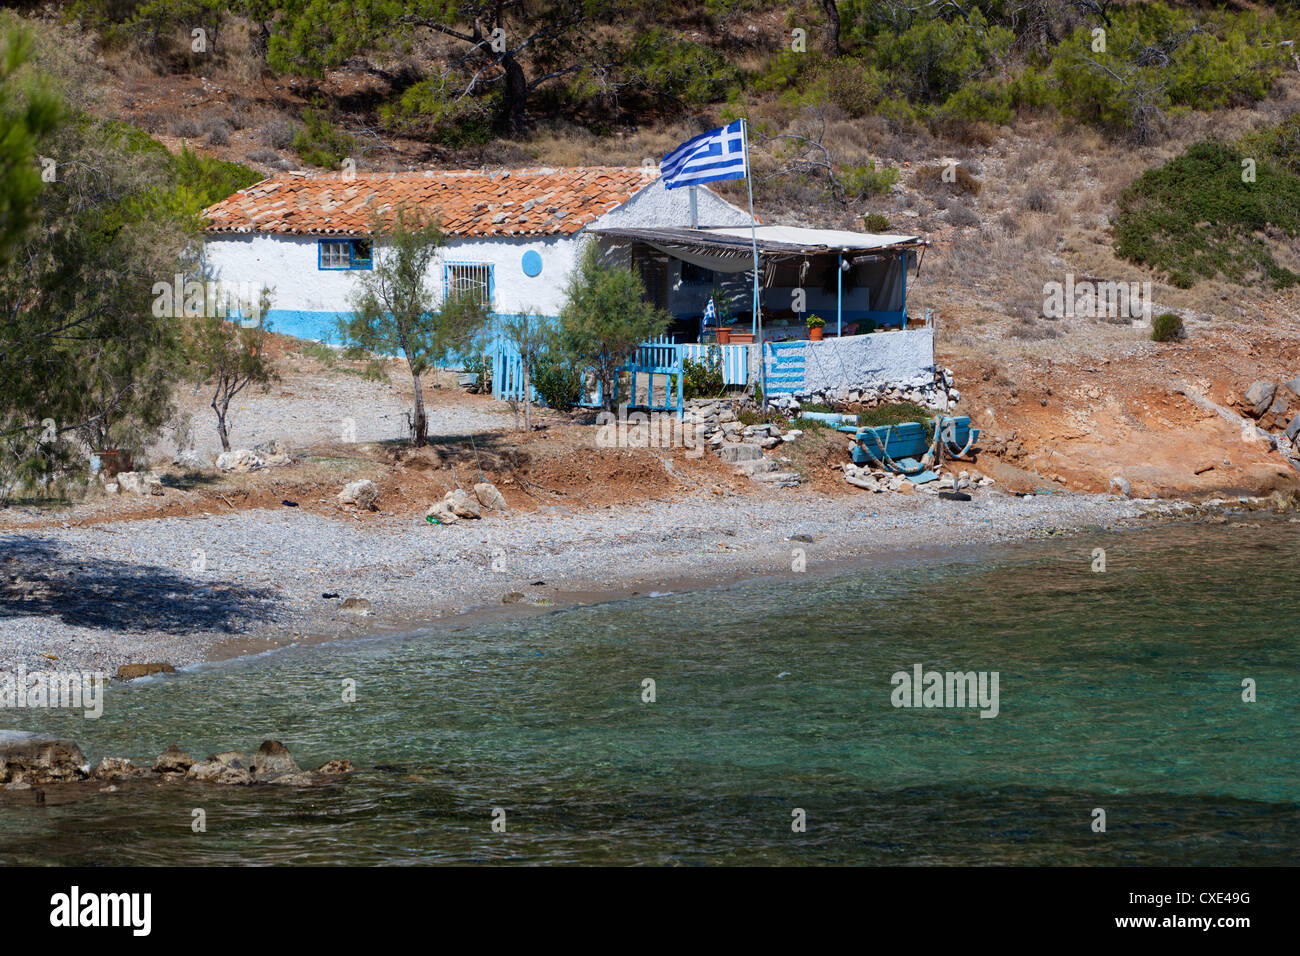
<point x="907" y="442"/>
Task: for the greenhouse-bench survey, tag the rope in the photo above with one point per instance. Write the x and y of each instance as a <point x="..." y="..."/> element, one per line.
<point x="888" y="464"/>
<point x="949" y="435"/>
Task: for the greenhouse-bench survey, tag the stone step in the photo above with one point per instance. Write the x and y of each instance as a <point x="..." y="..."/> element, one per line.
<point x="781" y="479"/>
<point x="758" y="467"/>
<point x="740" y="451"/>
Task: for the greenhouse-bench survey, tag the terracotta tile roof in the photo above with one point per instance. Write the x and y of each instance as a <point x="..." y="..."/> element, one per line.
<point x="470" y="203"/>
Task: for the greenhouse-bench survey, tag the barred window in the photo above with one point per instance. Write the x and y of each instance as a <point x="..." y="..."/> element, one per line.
<point x="345" y="254"/>
<point x="471" y="279"/>
<point x="335" y="255"/>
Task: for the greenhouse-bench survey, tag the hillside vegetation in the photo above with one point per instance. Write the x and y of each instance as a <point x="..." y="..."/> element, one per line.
<point x="1028" y="140"/>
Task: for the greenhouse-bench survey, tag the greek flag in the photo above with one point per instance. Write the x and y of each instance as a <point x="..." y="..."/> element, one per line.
<point x="710" y="314"/>
<point x="717" y="154"/>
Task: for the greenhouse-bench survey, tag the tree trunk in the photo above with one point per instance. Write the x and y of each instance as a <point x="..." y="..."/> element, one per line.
<point x="832" y="36"/>
<point x="419" y="421"/>
<point x="261" y="40"/>
<point x="516" y="93"/>
<point x="222" y="432"/>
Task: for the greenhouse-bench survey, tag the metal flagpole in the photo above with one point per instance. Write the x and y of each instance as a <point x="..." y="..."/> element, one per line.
<point x="756" y="321"/>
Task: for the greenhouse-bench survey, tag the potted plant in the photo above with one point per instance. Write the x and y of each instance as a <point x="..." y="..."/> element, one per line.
<point x="722" y="315"/>
<point x="816" y="325"/>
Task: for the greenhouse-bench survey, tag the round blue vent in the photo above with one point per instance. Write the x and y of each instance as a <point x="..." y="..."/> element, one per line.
<point x="532" y="263"/>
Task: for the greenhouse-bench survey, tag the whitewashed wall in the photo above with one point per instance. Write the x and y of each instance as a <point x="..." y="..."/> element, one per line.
<point x="656" y="206"/>
<point x="903" y="357"/>
<point x="289" y="265"/>
<point x="306" y="298"/>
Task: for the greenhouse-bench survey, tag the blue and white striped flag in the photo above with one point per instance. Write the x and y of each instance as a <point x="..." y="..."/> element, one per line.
<point x="717" y="154"/>
<point x="710" y="314"/>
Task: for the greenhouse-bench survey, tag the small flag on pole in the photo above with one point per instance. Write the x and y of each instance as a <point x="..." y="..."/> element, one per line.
<point x="710" y="314"/>
<point x="709" y="157"/>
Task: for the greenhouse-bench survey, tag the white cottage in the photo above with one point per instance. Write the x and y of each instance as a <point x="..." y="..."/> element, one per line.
<point x="515" y="235"/>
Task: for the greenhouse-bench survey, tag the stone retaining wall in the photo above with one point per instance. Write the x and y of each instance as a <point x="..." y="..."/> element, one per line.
<point x="905" y="357"/>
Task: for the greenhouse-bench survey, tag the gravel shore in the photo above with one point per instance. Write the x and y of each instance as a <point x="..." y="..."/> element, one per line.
<point x="188" y="589"/>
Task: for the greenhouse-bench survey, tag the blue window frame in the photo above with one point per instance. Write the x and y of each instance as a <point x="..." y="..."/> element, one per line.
<point x="334" y="254"/>
<point x="469" y="278"/>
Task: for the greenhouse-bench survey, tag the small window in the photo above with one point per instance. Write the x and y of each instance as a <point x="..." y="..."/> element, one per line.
<point x="470" y="279"/>
<point x="345" y="254"/>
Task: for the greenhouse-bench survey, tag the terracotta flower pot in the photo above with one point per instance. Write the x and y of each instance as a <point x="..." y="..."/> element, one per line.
<point x="815" y="333"/>
<point x="742" y="338"/>
<point x="724" y="336"/>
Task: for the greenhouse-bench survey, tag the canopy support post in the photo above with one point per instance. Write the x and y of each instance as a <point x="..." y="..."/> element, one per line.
<point x="839" y="296"/>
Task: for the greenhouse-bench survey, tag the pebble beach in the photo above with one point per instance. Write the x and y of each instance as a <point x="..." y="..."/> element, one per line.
<point x="188" y="589"/>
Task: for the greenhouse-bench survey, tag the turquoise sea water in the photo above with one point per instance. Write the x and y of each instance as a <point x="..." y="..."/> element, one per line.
<point x="1119" y="690"/>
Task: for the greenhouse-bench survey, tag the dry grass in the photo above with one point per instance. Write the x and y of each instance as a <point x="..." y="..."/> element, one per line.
<point x="937" y="180"/>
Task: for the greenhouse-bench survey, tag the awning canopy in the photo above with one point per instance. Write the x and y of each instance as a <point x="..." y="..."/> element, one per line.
<point x="730" y="248"/>
<point x="772" y="241"/>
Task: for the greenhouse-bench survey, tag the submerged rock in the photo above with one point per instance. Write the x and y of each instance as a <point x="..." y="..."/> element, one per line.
<point x="336" y="767"/>
<point x="273" y="757"/>
<point x="132" y="671"/>
<point x="173" y="760"/>
<point x="111" y="767"/>
<point x="30" y="760"/>
<point x="229" y="768"/>
<point x="27" y="757"/>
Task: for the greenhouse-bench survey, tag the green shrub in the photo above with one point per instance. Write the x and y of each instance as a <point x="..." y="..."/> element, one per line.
<point x="478" y="367"/>
<point x="703" y="379"/>
<point x="894" y="414"/>
<point x="1030" y="90"/>
<point x="875" y="222"/>
<point x="1157" y="59"/>
<point x="1166" y="327"/>
<point x="433" y="109"/>
<point x="1280" y="143"/>
<point x="556" y="380"/>
<point x="809" y="424"/>
<point x="783" y="72"/>
<point x="321" y="352"/>
<point x="868" y="180"/>
<point x="1195" y="217"/>
<point x="670" y="67"/>
<point x="933" y="59"/>
<point x="320" y="142"/>
<point x="853" y="85"/>
<point x="980" y="102"/>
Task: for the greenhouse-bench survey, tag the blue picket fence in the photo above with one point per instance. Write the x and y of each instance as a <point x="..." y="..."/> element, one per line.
<point x="734" y="359"/>
<point x="655" y="372"/>
<point x="508" y="373"/>
<point x="659" y="357"/>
